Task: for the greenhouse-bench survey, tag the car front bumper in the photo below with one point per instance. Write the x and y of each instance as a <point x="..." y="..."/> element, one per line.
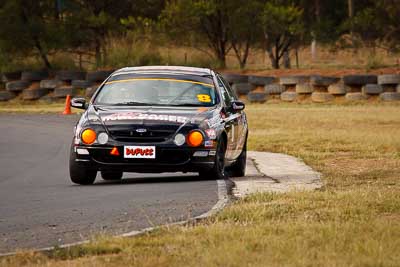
<point x="167" y="159"/>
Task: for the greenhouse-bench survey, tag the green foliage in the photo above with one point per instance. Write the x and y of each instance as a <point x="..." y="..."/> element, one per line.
<point x="378" y="22"/>
<point x="199" y="22"/>
<point x="282" y="26"/>
<point x="130" y="53"/>
<point x="40" y="29"/>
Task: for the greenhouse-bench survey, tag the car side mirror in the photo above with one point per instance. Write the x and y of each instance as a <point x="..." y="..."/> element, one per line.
<point x="238" y="105"/>
<point x="79" y="102"/>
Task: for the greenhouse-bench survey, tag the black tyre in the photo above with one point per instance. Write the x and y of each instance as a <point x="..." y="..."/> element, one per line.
<point x="34" y="75"/>
<point x="243" y="88"/>
<point x="63" y="91"/>
<point x="17" y="86"/>
<point x="69" y="75"/>
<point x="359" y="79"/>
<point x="218" y="171"/>
<point x="238" y="169"/>
<point x="111" y="175"/>
<point x="79" y="174"/>
<point x="50" y="84"/>
<point x="261" y="80"/>
<point x="293" y="80"/>
<point x="81" y="84"/>
<point x="257" y="97"/>
<point x="273" y="89"/>
<point x="235" y="78"/>
<point x="6" y="95"/>
<point x="33" y="94"/>
<point x="11" y="76"/>
<point x="319" y="80"/>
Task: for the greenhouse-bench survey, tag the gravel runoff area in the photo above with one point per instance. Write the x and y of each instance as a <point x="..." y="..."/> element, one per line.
<point x="274" y="172"/>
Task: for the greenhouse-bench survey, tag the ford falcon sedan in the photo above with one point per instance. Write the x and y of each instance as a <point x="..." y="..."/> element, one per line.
<point x="159" y="119"/>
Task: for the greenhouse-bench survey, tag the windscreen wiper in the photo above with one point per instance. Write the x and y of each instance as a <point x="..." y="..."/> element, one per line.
<point x="133" y="103"/>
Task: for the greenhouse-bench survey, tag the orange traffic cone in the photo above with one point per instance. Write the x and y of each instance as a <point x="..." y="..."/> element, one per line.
<point x="67" y="109"/>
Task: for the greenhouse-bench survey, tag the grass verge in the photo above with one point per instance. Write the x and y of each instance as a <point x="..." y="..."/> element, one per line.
<point x="353" y="221"/>
<point x="32" y="107"/>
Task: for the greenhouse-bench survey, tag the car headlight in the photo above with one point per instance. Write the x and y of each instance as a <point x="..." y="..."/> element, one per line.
<point x="88" y="136"/>
<point x="102" y="138"/>
<point x="195" y="138"/>
<point x="179" y="139"/>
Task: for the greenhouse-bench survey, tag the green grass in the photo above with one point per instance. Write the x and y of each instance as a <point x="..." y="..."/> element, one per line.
<point x="353" y="221"/>
<point x="32" y="107"/>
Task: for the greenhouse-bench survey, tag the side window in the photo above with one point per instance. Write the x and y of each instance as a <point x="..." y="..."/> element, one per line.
<point x="226" y="95"/>
<point x="228" y="88"/>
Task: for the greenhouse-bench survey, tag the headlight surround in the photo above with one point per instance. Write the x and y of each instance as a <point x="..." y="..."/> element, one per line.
<point x="179" y="139"/>
<point x="195" y="138"/>
<point x="88" y="136"/>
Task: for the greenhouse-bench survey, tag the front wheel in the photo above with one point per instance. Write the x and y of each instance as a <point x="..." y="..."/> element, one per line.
<point x="81" y="175"/>
<point x="218" y="170"/>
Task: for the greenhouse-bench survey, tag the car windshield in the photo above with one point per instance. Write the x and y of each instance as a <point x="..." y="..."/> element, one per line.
<point x="158" y="91"/>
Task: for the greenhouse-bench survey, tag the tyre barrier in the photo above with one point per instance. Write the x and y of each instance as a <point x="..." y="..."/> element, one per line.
<point x="390" y="96"/>
<point x="49" y="98"/>
<point x="304" y="88"/>
<point x="6" y="95"/>
<point x="10" y="76"/>
<point x="261" y="80"/>
<point x="322" y="97"/>
<point x="287" y="88"/>
<point x="50" y="84"/>
<point x="235" y="78"/>
<point x="359" y="80"/>
<point x="274" y="89"/>
<point x="68" y="75"/>
<point x="338" y="89"/>
<point x="257" y="97"/>
<point x="288" y="96"/>
<point x="318" y="80"/>
<point x="81" y="84"/>
<point x="17" y="86"/>
<point x="389" y="79"/>
<point x="97" y="76"/>
<point x="33" y="94"/>
<point x="63" y="91"/>
<point x="34" y="75"/>
<point x="293" y="80"/>
<point x="243" y="88"/>
<point x="372" y="89"/>
<point x="356" y="96"/>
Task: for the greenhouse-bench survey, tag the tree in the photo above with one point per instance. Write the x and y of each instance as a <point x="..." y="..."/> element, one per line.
<point x="244" y="27"/>
<point x="282" y="26"/>
<point x="29" y="26"/>
<point x="199" y="22"/>
<point x="378" y="24"/>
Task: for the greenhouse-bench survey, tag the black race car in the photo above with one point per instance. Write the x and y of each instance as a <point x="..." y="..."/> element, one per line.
<point x="159" y="119"/>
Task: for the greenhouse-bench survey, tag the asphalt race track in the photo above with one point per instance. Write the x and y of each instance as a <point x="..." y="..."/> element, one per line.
<point x="40" y="207"/>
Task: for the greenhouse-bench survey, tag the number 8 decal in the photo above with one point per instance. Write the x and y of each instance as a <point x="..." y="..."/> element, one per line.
<point x="204" y="98"/>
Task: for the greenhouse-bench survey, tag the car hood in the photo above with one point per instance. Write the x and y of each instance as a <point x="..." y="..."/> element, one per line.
<point x="120" y="120"/>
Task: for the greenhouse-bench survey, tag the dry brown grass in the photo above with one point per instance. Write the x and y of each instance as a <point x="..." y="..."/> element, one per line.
<point x="353" y="221"/>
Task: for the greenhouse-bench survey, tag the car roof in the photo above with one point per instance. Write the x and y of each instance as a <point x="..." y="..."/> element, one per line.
<point x="164" y="69"/>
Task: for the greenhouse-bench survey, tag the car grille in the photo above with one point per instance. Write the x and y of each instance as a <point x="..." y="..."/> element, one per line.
<point x="151" y="135"/>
